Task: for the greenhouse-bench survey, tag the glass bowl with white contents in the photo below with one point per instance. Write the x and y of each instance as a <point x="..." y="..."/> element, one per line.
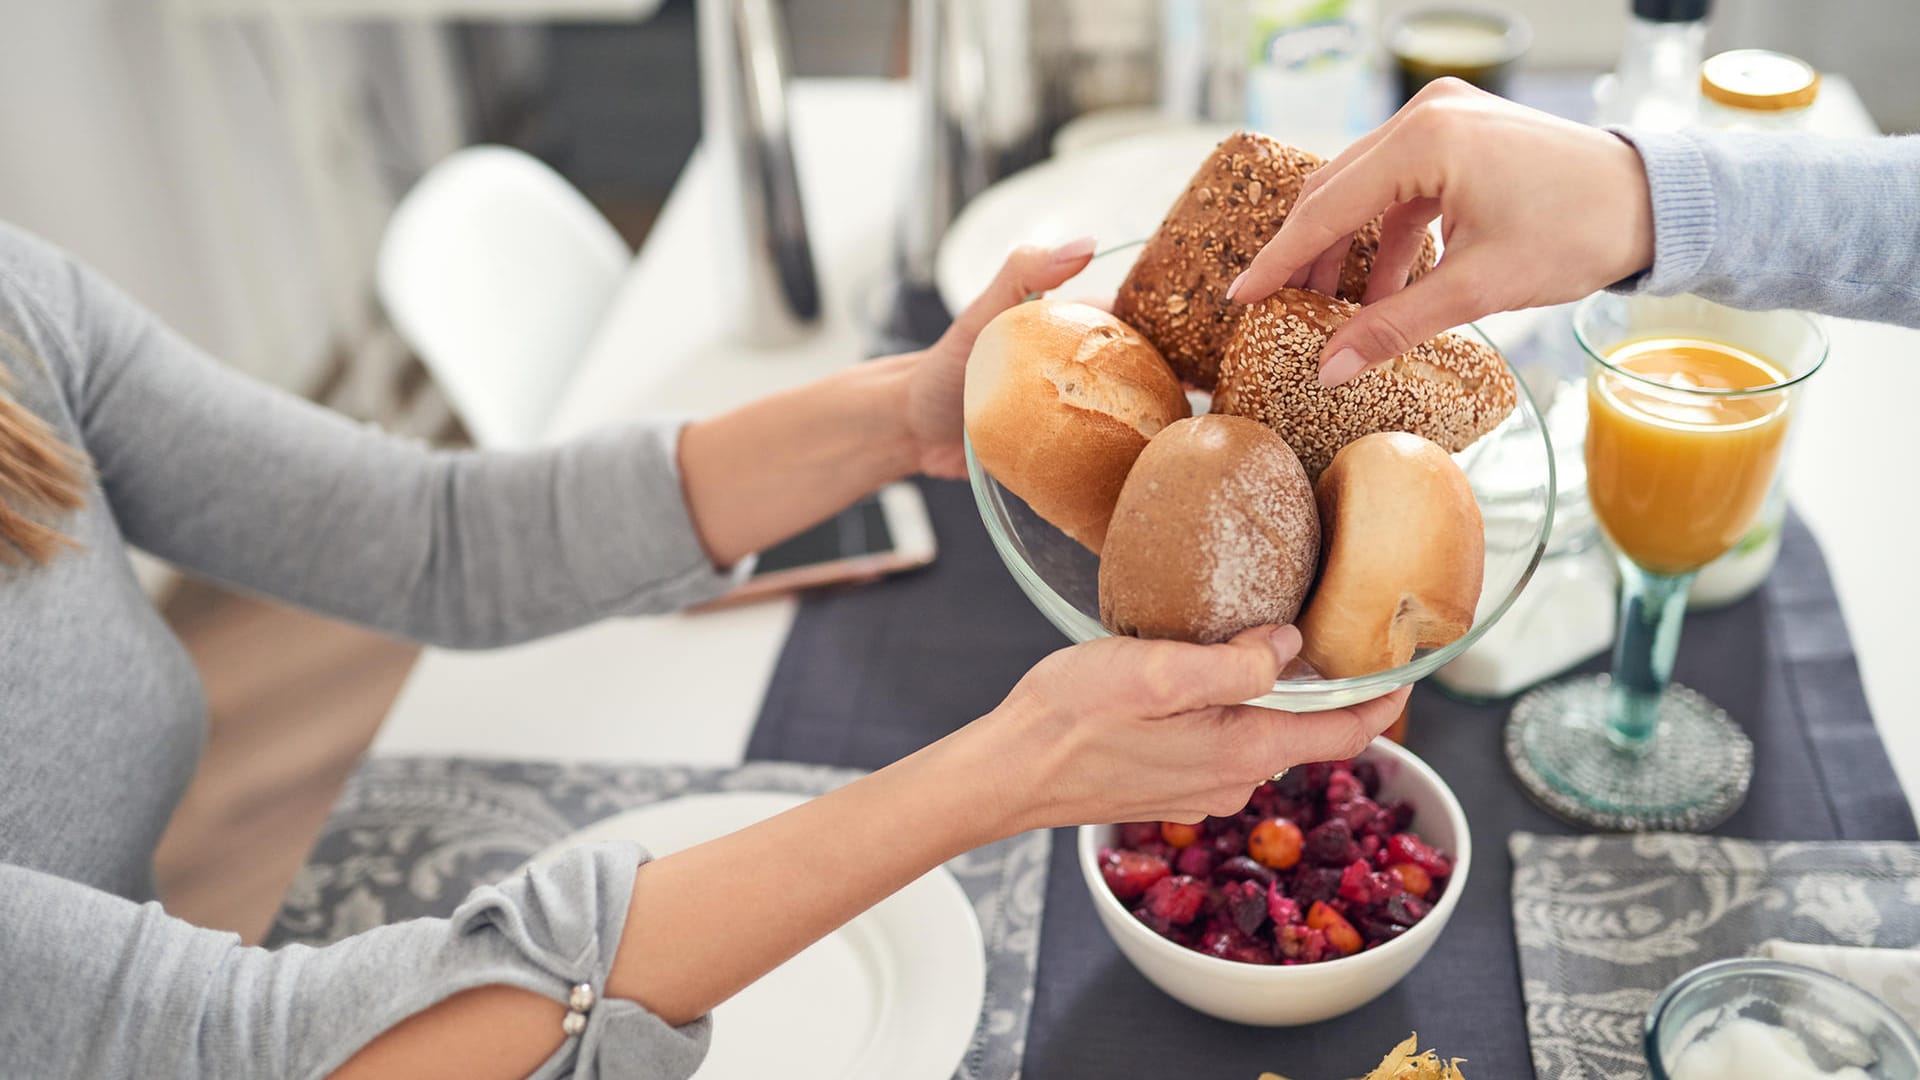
<point x="1756" y="1017"/>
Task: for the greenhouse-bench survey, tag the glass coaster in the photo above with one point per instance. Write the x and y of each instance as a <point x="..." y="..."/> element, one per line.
<point x="1694" y="775"/>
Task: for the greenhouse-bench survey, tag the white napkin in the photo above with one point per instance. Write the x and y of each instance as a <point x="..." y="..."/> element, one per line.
<point x="1892" y="975"/>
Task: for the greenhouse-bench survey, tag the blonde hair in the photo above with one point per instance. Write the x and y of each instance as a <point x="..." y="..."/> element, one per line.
<point x="41" y="480"/>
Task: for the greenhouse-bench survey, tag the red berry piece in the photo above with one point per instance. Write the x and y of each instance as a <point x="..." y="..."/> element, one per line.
<point x="1281" y="909"/>
<point x="1246" y="904"/>
<point x="1135" y="833"/>
<point x="1408" y="848"/>
<point x="1302" y="945"/>
<point x="1364" y="817"/>
<point x="1129" y="873"/>
<point x="1228" y="944"/>
<point x="1196" y="861"/>
<point x="1175" y="900"/>
<point x="1342" y="787"/>
<point x="1242" y="868"/>
<point x="1331" y="844"/>
<point x="1313" y="883"/>
<point x="1369" y="776"/>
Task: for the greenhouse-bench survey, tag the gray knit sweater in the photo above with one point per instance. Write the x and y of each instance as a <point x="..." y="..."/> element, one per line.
<point x="101" y="717"/>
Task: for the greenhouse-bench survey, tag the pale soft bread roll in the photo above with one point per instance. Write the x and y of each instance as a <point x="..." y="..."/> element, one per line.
<point x="1176" y="293"/>
<point x="1404" y="555"/>
<point x="1214" y="532"/>
<point x="1452" y="389"/>
<point x="1060" y="398"/>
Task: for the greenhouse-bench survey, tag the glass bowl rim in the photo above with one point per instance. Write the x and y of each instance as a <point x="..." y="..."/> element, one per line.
<point x="1584" y="309"/>
<point x="1760" y="965"/>
<point x="1384" y="681"/>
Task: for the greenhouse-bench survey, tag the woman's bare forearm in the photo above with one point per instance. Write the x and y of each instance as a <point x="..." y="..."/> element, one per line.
<point x="705" y="922"/>
<point x="765" y="471"/>
<point x="716" y="917"/>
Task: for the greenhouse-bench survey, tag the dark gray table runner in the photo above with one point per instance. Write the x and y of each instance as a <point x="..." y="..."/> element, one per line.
<point x="871" y="674"/>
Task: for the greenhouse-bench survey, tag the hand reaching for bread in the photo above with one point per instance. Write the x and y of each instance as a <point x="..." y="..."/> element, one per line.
<point x="1341" y="506"/>
<point x="934" y="392"/>
<point x="1533" y="210"/>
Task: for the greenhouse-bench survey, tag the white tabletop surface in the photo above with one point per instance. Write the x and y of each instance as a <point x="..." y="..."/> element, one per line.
<point x="688" y="688"/>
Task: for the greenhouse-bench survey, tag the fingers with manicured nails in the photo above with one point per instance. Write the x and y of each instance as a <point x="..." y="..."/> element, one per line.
<point x="1182" y="677"/>
<point x="1329" y="214"/>
<point x="1296" y="739"/>
<point x="1402" y="232"/>
<point x="1028" y="270"/>
<point x="1453" y="293"/>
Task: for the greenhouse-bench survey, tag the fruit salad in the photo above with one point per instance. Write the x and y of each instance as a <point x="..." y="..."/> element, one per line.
<point x="1315" y="868"/>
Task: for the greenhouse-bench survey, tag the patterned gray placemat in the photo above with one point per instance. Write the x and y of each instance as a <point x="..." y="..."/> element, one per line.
<point x="411" y="837"/>
<point x="1604" y="923"/>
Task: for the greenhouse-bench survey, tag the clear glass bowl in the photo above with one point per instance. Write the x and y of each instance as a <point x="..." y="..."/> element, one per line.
<point x="1512" y="473"/>
<point x="1839" y="1023"/>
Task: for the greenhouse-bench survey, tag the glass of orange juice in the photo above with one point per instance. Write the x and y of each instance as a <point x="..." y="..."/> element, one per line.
<point x="1689" y="408"/>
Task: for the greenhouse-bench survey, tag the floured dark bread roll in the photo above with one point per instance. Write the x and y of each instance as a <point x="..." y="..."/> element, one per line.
<point x="1215" y="531"/>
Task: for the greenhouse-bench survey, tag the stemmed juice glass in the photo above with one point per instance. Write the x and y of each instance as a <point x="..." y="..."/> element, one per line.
<point x="1689" y="407"/>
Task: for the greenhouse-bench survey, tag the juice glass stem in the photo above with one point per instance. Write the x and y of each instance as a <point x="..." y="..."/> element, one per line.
<point x="1651" y="608"/>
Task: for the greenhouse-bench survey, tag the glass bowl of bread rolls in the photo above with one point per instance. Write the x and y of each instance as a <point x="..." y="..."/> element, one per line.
<point x="1172" y="468"/>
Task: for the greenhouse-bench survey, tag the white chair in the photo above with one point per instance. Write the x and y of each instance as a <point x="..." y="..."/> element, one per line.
<point x="497" y="271"/>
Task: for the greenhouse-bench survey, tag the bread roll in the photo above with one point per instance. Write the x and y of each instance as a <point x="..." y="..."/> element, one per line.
<point x="1404" y="554"/>
<point x="1451" y="390"/>
<point x="1176" y="292"/>
<point x="1214" y="532"/>
<point x="1060" y="398"/>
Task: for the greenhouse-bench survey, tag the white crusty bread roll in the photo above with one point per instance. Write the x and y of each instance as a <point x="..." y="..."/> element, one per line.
<point x="1060" y="399"/>
<point x="1215" y="532"/>
<point x="1404" y="553"/>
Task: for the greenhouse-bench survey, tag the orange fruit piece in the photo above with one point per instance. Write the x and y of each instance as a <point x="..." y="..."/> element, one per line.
<point x="1276" y="842"/>
<point x="1412" y="878"/>
<point x="1179" y="835"/>
<point x="1340" y="933"/>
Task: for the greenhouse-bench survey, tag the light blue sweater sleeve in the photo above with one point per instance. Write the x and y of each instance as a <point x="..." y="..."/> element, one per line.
<point x="1785" y="221"/>
<point x="100" y="987"/>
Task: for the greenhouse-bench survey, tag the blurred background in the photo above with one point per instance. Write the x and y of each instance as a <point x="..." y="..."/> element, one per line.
<point x="234" y="164"/>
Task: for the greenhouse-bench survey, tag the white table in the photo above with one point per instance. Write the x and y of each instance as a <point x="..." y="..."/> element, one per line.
<point x="688" y="688"/>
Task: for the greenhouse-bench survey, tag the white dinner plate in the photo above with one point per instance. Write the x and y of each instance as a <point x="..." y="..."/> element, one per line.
<point x="1114" y="192"/>
<point x="896" y="992"/>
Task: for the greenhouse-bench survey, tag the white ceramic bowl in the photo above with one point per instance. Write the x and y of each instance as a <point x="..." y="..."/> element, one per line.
<point x="1283" y="996"/>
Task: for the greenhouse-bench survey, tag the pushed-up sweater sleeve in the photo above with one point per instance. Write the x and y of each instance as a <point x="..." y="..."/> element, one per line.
<point x="1762" y="221"/>
<point x="100" y="987"/>
<point x="254" y="487"/>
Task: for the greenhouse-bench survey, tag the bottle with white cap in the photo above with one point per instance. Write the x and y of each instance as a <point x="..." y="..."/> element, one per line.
<point x="1657" y="82"/>
<point x="1752" y="90"/>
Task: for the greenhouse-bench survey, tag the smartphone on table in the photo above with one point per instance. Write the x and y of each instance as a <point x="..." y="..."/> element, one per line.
<point x="884" y="533"/>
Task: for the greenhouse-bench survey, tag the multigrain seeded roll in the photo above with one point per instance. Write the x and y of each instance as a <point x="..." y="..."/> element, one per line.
<point x="1451" y="390"/>
<point x="1176" y="292"/>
